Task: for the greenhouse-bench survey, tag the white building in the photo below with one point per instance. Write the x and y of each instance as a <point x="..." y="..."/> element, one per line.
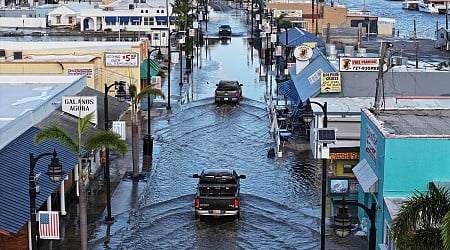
<point x="123" y="15"/>
<point x="67" y="14"/>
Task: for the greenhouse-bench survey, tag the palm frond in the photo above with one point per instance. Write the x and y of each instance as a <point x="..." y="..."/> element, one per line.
<point x="420" y="217"/>
<point x="106" y="139"/>
<point x="149" y="90"/>
<point x="85" y="123"/>
<point x="53" y="132"/>
<point x="445" y="231"/>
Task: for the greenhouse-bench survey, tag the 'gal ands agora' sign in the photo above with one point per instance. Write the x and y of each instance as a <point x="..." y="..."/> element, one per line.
<point x="80" y="106"/>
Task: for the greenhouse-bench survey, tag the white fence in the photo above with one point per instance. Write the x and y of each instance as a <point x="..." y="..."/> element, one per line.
<point x="23" y="22"/>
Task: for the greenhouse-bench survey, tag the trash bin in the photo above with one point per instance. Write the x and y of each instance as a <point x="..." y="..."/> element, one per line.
<point x="148" y="145"/>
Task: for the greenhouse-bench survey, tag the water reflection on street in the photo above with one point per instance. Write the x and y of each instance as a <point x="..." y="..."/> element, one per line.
<point x="280" y="197"/>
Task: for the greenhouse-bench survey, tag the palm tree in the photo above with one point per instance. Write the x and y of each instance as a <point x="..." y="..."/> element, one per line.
<point x="135" y="99"/>
<point x="423" y="221"/>
<point x="94" y="142"/>
<point x="183" y="9"/>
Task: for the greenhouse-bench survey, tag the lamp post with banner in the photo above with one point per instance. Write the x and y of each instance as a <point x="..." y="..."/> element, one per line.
<point x="120" y="95"/>
<point x="55" y="173"/>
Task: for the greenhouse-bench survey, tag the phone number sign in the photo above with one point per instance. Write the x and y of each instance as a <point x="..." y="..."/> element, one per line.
<point x="121" y="60"/>
<point x="359" y="64"/>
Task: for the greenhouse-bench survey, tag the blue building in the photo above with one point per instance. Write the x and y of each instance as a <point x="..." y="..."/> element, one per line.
<point x="401" y="151"/>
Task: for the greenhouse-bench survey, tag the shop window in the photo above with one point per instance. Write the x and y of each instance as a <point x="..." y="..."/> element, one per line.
<point x="348" y="169"/>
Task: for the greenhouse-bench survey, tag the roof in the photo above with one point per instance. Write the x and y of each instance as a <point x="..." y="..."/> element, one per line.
<point x="393" y="205"/>
<point x="74" y="6"/>
<point x="106" y="46"/>
<point x="51" y="58"/>
<point x="27" y="99"/>
<point x="14" y="172"/>
<point x="307" y="82"/>
<point x="297" y="37"/>
<point x="415" y="122"/>
<point x="70" y="123"/>
<point x="14" y="160"/>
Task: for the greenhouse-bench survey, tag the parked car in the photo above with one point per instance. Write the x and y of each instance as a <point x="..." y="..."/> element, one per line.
<point x="218" y="193"/>
<point x="228" y="91"/>
<point x="224" y="30"/>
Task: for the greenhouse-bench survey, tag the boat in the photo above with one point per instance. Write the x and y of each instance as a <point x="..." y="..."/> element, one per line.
<point x="410" y="4"/>
<point x="428" y="7"/>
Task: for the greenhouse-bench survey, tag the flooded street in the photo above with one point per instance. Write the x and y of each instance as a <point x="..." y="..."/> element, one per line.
<point x="280" y="197"/>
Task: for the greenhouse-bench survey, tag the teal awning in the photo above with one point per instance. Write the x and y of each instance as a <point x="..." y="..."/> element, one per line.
<point x="154" y="68"/>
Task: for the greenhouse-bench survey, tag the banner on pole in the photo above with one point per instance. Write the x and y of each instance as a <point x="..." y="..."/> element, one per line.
<point x="49" y="225"/>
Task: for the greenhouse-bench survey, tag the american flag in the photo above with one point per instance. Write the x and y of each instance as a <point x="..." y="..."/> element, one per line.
<point x="49" y="225"/>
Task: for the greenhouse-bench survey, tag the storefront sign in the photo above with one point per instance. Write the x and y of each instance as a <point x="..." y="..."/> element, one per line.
<point x="358" y="64"/>
<point x="371" y="144"/>
<point x="344" y="156"/>
<point x="80" y="106"/>
<point x="80" y="71"/>
<point x="330" y="82"/>
<point x="303" y="53"/>
<point x="122" y="60"/>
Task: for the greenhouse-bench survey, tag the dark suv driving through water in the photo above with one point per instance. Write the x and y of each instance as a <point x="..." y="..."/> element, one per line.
<point x="224" y="30"/>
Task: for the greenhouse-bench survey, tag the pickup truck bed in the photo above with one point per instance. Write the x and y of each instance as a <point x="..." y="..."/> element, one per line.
<point x="217" y="193"/>
<point x="228" y="91"/>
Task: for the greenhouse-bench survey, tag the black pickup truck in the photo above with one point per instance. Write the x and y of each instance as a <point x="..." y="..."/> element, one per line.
<point x="217" y="193"/>
<point x="228" y="91"/>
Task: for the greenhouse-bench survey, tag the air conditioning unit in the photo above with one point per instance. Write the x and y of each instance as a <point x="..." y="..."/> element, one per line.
<point x="399" y="60"/>
<point x="18" y="55"/>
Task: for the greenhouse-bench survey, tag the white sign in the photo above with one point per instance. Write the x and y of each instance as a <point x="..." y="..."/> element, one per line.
<point x="120" y="128"/>
<point x="122" y="60"/>
<point x="80" y="106"/>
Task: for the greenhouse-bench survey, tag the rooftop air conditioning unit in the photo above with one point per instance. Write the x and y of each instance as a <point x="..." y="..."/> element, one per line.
<point x="17" y="55"/>
<point x="399" y="60"/>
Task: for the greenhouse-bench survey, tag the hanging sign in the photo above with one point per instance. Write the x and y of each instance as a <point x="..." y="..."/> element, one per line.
<point x="303" y="53"/>
<point x="80" y="106"/>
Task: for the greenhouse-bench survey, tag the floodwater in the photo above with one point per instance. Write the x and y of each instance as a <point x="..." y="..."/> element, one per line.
<point x="425" y="24"/>
<point x="280" y="197"/>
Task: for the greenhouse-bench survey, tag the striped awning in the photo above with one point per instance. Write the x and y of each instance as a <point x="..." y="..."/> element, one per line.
<point x="290" y="91"/>
<point x="154" y="68"/>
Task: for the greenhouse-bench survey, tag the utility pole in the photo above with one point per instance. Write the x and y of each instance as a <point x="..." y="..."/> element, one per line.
<point x="379" y="82"/>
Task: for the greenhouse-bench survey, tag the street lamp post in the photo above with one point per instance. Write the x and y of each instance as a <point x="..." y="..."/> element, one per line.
<point x="121" y="97"/>
<point x="180" y="50"/>
<point x="148" y="139"/>
<point x="307" y="117"/>
<point x="55" y="172"/>
<point x="371" y="212"/>
<point x="168" y="69"/>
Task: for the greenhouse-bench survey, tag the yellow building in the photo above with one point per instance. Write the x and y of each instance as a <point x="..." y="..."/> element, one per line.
<point x="101" y="62"/>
